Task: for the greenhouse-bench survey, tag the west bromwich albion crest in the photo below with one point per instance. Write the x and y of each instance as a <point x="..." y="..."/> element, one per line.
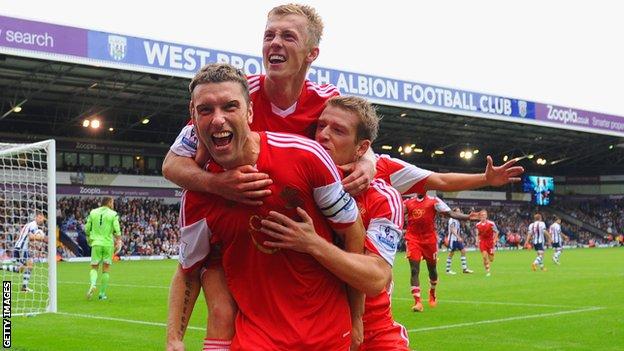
<point x="117" y="47"/>
<point x="522" y="108"/>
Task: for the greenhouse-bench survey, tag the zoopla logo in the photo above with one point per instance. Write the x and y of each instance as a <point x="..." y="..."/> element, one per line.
<point x="565" y="116"/>
<point x="90" y="191"/>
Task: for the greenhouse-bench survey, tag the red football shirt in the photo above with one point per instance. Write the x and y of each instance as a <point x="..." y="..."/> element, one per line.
<point x="382" y="216"/>
<point x="421" y="214"/>
<point x="403" y="176"/>
<point x="486" y="230"/>
<point x="285" y="298"/>
<point x="299" y="119"/>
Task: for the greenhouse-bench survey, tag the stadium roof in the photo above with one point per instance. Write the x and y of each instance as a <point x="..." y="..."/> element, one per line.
<point x="55" y="98"/>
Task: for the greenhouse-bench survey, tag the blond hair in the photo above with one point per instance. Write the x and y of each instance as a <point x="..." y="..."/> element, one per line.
<point x="220" y="73"/>
<point x="368" y="126"/>
<point x="315" y="23"/>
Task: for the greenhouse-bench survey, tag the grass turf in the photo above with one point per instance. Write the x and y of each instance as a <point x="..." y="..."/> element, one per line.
<point x="575" y="306"/>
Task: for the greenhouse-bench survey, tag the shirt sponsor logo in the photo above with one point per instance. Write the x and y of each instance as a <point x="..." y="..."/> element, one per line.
<point x="417" y="213"/>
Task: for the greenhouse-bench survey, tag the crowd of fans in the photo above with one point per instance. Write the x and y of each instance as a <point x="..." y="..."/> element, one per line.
<point x="81" y="169"/>
<point x="604" y="214"/>
<point x="513" y="222"/>
<point x="149" y="226"/>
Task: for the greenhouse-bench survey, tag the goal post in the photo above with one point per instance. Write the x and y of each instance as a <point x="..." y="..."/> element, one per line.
<point x="28" y="187"/>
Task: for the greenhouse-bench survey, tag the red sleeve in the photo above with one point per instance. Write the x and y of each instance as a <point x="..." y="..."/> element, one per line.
<point x="405" y="177"/>
<point x="385" y="210"/>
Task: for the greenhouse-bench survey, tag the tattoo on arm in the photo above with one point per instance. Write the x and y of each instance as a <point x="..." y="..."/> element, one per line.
<point x="185" y="311"/>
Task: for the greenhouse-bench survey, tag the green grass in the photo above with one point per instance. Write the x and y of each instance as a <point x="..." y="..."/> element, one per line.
<point x="575" y="306"/>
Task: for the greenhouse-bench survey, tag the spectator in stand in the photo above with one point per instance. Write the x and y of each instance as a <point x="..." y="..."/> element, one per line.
<point x="150" y="224"/>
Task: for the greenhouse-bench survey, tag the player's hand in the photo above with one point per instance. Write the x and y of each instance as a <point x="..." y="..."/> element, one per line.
<point x="118" y="246"/>
<point x="243" y="184"/>
<point x="175" y="345"/>
<point x="501" y="175"/>
<point x="357" y="334"/>
<point x="359" y="176"/>
<point x="298" y="236"/>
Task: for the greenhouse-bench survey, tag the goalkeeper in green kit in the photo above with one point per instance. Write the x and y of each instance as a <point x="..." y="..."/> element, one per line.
<point x="102" y="225"/>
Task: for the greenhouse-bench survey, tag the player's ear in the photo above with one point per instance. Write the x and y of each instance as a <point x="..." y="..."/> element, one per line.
<point x="249" y="112"/>
<point x="312" y="55"/>
<point x="191" y="109"/>
<point x="362" y="147"/>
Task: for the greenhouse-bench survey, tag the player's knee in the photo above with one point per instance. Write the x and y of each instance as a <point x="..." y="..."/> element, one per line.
<point x="222" y="315"/>
<point x="221" y="320"/>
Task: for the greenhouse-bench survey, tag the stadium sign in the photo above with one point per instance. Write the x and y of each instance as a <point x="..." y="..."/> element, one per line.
<point x="62" y="43"/>
<point x="79" y="190"/>
<point x="584" y="120"/>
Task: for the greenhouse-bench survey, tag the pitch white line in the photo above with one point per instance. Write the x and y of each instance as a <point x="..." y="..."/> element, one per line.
<point x="123" y="285"/>
<point x="155" y="324"/>
<point x="496" y="303"/>
<point x="491" y="321"/>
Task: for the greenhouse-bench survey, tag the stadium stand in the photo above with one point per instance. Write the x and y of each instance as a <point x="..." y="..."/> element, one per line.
<point x="605" y="214"/>
<point x="149" y="226"/>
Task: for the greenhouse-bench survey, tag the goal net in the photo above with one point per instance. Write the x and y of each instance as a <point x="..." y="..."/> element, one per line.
<point x="28" y="248"/>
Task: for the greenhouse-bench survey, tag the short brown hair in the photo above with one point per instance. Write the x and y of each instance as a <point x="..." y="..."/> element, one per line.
<point x="107" y="200"/>
<point x="315" y="23"/>
<point x="220" y="73"/>
<point x="369" y="120"/>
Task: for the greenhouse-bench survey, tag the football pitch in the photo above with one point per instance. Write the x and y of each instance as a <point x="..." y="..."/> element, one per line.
<point x="576" y="306"/>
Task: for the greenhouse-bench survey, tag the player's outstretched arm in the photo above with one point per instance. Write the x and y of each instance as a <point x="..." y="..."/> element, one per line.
<point x="243" y="184"/>
<point x="461" y="216"/>
<point x="182" y="296"/>
<point x="493" y="176"/>
<point x="367" y="273"/>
